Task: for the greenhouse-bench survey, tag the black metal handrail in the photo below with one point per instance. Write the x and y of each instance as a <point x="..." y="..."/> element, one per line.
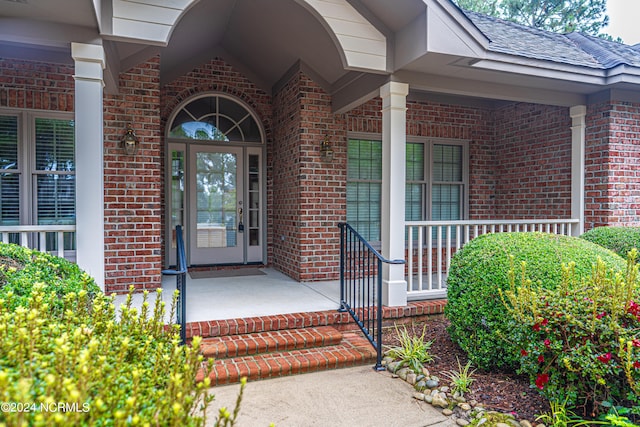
<point x="361" y="285"/>
<point x="181" y="284"/>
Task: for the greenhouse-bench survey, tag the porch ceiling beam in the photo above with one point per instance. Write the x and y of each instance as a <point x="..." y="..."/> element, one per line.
<point x="355" y="89"/>
<point x="489" y="90"/>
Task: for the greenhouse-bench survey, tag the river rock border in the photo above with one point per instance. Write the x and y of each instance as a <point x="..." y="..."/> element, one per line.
<point x="465" y="413"/>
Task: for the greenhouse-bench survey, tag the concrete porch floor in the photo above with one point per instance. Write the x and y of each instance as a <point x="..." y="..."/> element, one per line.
<point x="247" y="296"/>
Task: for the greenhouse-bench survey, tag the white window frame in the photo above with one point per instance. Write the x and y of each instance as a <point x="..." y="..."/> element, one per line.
<point x="26" y="165"/>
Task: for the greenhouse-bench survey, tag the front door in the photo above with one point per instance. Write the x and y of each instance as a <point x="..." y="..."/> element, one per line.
<point x="216" y="215"/>
<point x="215" y="181"/>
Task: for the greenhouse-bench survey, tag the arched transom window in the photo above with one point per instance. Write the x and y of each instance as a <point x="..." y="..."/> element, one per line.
<point x="215" y="118"/>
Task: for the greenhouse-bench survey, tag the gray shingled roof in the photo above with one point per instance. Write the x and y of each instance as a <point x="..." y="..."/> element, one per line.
<point x="573" y="49"/>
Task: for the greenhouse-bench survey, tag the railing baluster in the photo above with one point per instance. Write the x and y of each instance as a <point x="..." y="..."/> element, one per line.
<point x="448" y="249"/>
<point x="429" y="250"/>
<point x="410" y="258"/>
<point x="439" y="255"/>
<point x="361" y="285"/>
<point x="60" y="244"/>
<point x="465" y="230"/>
<point x="420" y="273"/>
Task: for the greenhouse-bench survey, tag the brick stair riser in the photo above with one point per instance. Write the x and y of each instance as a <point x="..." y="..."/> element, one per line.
<point x="270" y="341"/>
<point x="353" y="351"/>
<point x="342" y="321"/>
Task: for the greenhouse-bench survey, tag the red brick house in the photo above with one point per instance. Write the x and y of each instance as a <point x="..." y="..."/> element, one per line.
<point x="260" y="125"/>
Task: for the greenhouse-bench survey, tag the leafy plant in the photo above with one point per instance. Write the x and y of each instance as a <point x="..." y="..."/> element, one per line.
<point x="480" y="322"/>
<point x="413" y="351"/>
<point x="110" y="370"/>
<point x="579" y="342"/>
<point x="21" y="268"/>
<point x="461" y="379"/>
<point x="560" y="416"/>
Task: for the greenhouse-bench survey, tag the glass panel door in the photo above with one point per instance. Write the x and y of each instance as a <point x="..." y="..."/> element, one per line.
<point x="217" y="218"/>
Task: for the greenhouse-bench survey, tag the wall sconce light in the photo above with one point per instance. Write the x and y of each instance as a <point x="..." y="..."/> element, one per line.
<point x="326" y="152"/>
<point x="130" y="141"/>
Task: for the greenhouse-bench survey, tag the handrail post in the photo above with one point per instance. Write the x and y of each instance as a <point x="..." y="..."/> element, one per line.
<point x="379" y="366"/>
<point x="342" y="261"/>
<point x="181" y="284"/>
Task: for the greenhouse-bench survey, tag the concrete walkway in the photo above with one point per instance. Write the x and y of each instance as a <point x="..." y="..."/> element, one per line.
<point x="353" y="397"/>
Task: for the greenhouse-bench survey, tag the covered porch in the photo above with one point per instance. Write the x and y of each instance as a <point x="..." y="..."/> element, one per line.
<point x="272" y="293"/>
<point x="536" y="134"/>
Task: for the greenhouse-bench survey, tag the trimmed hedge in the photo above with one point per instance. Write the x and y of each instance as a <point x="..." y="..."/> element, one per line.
<point x="618" y="239"/>
<point x="21" y="268"/>
<point x="479" y="319"/>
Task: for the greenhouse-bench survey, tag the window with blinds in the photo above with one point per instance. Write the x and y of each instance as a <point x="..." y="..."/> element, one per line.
<point x="436" y="183"/>
<point x="37" y="171"/>
<point x="364" y="187"/>
<point x="54" y="171"/>
<point x="9" y="172"/>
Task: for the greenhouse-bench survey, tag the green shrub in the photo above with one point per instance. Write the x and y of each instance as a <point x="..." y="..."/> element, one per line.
<point x="413" y="351"/>
<point x="619" y="239"/>
<point x="109" y="372"/>
<point x="579" y="342"/>
<point x="21" y="268"/>
<point x="479" y="320"/>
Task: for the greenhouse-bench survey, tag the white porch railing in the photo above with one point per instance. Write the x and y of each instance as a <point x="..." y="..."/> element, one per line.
<point x="431" y="244"/>
<point x="45" y="238"/>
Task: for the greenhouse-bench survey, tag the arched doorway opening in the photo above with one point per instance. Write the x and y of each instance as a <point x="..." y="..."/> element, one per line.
<point x="215" y="181"/>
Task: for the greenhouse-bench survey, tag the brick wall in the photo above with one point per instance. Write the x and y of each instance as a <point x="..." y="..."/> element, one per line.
<point x="286" y="178"/>
<point x="323" y="184"/>
<point x="36" y="85"/>
<point x="309" y="193"/>
<point x="533" y="162"/>
<point x="133" y="184"/>
<point x="612" y="164"/>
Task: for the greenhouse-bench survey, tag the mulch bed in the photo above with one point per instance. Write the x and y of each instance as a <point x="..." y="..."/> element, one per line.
<point x="504" y="392"/>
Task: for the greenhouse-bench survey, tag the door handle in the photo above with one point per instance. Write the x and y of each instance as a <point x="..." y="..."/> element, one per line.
<point x="240" y="224"/>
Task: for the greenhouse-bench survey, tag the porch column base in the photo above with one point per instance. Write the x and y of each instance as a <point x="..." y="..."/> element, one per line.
<point x="394" y="293"/>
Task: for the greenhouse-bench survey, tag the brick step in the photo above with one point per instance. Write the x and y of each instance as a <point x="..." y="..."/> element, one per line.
<point x="341" y="321"/>
<point x="230" y="346"/>
<point x="353" y="350"/>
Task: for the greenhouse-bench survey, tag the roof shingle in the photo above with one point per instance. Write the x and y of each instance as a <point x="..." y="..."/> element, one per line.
<point x="573" y="48"/>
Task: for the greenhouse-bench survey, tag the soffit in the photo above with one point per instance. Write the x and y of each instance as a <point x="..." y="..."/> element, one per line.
<point x="73" y="12"/>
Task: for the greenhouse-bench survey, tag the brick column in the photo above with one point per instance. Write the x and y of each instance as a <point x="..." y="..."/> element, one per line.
<point x="89" y="63"/>
<point x="394" y="119"/>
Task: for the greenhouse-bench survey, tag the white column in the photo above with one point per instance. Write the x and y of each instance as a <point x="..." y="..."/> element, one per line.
<point x="89" y="64"/>
<point x="578" y="114"/>
<point x="394" y="119"/>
